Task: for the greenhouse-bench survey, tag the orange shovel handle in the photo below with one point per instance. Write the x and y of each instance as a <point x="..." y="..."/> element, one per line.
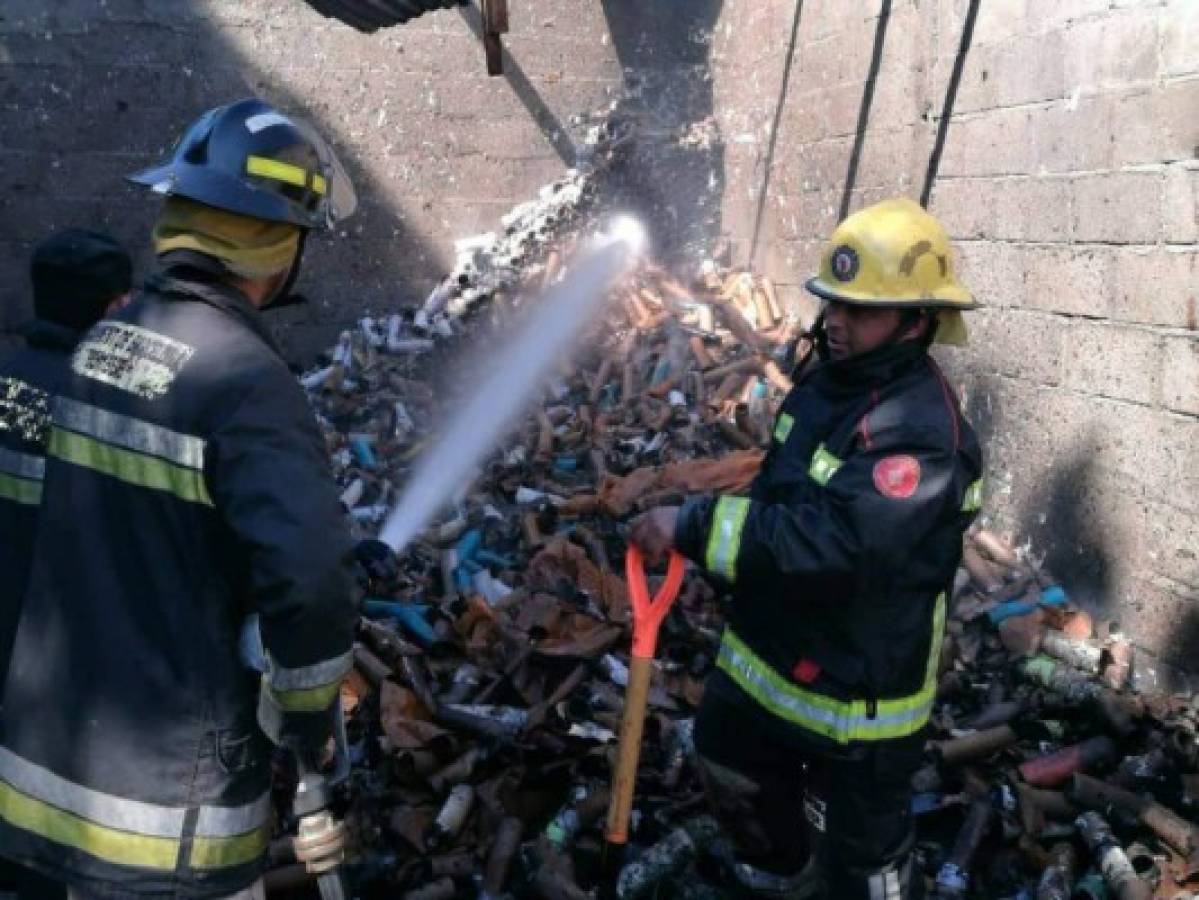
<point x="647" y="617"/>
<point x="648" y="614"/>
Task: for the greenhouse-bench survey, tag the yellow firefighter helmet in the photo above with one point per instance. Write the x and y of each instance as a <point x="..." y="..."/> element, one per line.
<point x="895" y="254"/>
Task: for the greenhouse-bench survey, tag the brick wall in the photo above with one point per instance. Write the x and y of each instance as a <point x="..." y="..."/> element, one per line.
<point x="1068" y="178"/>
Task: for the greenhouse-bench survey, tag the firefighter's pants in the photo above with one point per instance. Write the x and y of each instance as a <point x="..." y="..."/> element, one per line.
<point x="782" y="797"/>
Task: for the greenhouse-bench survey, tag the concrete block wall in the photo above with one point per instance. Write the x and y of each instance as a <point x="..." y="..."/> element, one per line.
<point x="1068" y="178"/>
<point x="1068" y="181"/>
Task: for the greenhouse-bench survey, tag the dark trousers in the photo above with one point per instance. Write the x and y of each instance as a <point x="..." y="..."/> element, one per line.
<point x="783" y="795"/>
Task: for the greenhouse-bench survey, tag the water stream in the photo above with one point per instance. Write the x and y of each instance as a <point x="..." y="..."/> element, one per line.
<point x="508" y="385"/>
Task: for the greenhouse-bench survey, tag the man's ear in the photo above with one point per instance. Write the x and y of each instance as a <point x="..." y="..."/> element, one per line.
<point x="921" y="326"/>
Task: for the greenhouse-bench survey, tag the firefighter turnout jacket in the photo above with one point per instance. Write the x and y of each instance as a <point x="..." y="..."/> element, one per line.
<point x="186" y="487"/>
<point x="842" y="555"/>
<point x="29" y="379"/>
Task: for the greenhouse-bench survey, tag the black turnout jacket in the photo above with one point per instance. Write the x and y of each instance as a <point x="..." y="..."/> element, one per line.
<point x="841" y="557"/>
<point x="186" y="487"/>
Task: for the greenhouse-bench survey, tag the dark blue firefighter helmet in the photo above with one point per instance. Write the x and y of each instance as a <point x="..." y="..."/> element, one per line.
<point x="249" y="158"/>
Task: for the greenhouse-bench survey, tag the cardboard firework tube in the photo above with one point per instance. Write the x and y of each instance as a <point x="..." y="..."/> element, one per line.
<point x="1118" y="666"/>
<point x="1169" y="826"/>
<point x="985" y="573"/>
<point x="974" y="746"/>
<point x="601" y="379"/>
<point x="776" y="376"/>
<point x="1079" y="654"/>
<point x="373" y="669"/>
<point x="640" y="310"/>
<point x="998" y="714"/>
<point x="631" y="727"/>
<point x="628" y="381"/>
<point x="1113" y="862"/>
<point x="762" y="307"/>
<point x="772" y="297"/>
<point x="736" y="435"/>
<point x="545" y="435"/>
<point x="700" y="352"/>
<point x="499" y="860"/>
<point x="531" y="532"/>
<point x="729" y="387"/>
<point x="1058" y="877"/>
<point x="743" y="366"/>
<point x="995" y="547"/>
<point x="1056" y="768"/>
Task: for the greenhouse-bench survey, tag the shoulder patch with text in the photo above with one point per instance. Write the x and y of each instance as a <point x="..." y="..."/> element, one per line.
<point x="897" y="477"/>
<point x="131" y="358"/>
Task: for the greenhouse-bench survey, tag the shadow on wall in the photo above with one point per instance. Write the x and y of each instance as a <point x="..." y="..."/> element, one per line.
<point x="132" y="110"/>
<point x="674" y="176"/>
<point x="1065" y="522"/>
<point x="1060" y="517"/>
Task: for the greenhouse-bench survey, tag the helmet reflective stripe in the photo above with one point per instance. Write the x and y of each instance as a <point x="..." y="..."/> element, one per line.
<point x="250" y="159"/>
<point x="286" y="172"/>
<point x="255" y="124"/>
<point x="280" y="171"/>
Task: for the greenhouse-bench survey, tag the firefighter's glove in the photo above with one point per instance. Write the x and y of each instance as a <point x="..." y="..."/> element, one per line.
<point x="653" y="532"/>
<point x="320" y="842"/>
<point x="377" y="568"/>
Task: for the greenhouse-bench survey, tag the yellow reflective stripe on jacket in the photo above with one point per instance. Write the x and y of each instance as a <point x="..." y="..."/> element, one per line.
<point x="21" y="477"/>
<point x="838" y="720"/>
<point x="310" y="700"/>
<point x="120" y="847"/>
<point x="973" y="501"/>
<point x="276" y="170"/>
<point x="307" y="688"/>
<point x="823" y="466"/>
<point x="219" y="853"/>
<point x="724" y="538"/>
<point x="20" y="490"/>
<point x="782" y="428"/>
<point x="124" y="831"/>
<point x="129" y="466"/>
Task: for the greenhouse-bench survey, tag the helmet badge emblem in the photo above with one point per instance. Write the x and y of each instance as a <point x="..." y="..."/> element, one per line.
<point x="844" y="263"/>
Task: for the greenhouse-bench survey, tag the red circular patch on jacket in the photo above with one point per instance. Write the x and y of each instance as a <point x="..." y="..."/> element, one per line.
<point x="897" y="476"/>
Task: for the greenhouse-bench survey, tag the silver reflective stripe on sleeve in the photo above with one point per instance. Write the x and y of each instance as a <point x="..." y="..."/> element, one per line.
<point x="22" y="465"/>
<point x="226" y="821"/>
<point x="130" y="433"/>
<point x="306" y="677"/>
<point x="724" y="538"/>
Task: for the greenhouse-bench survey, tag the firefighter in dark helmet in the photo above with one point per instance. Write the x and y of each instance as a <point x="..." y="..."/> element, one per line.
<point x="839" y="562"/>
<point x="186" y="488"/>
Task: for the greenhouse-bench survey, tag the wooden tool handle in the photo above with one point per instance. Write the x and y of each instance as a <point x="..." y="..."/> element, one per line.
<point x="635" y="699"/>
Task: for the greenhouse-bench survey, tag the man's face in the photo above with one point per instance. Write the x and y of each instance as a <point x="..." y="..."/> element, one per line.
<point x="854" y="330"/>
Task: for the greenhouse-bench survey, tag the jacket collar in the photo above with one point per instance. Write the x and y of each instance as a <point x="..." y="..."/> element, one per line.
<point x="188" y="276"/>
<point x="876" y="368"/>
<point x="47" y="335"/>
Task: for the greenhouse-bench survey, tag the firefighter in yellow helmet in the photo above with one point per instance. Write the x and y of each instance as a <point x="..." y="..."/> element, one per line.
<point x="839" y="563"/>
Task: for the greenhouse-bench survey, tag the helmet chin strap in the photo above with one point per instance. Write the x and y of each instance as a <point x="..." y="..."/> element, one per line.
<point x="283" y="296"/>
